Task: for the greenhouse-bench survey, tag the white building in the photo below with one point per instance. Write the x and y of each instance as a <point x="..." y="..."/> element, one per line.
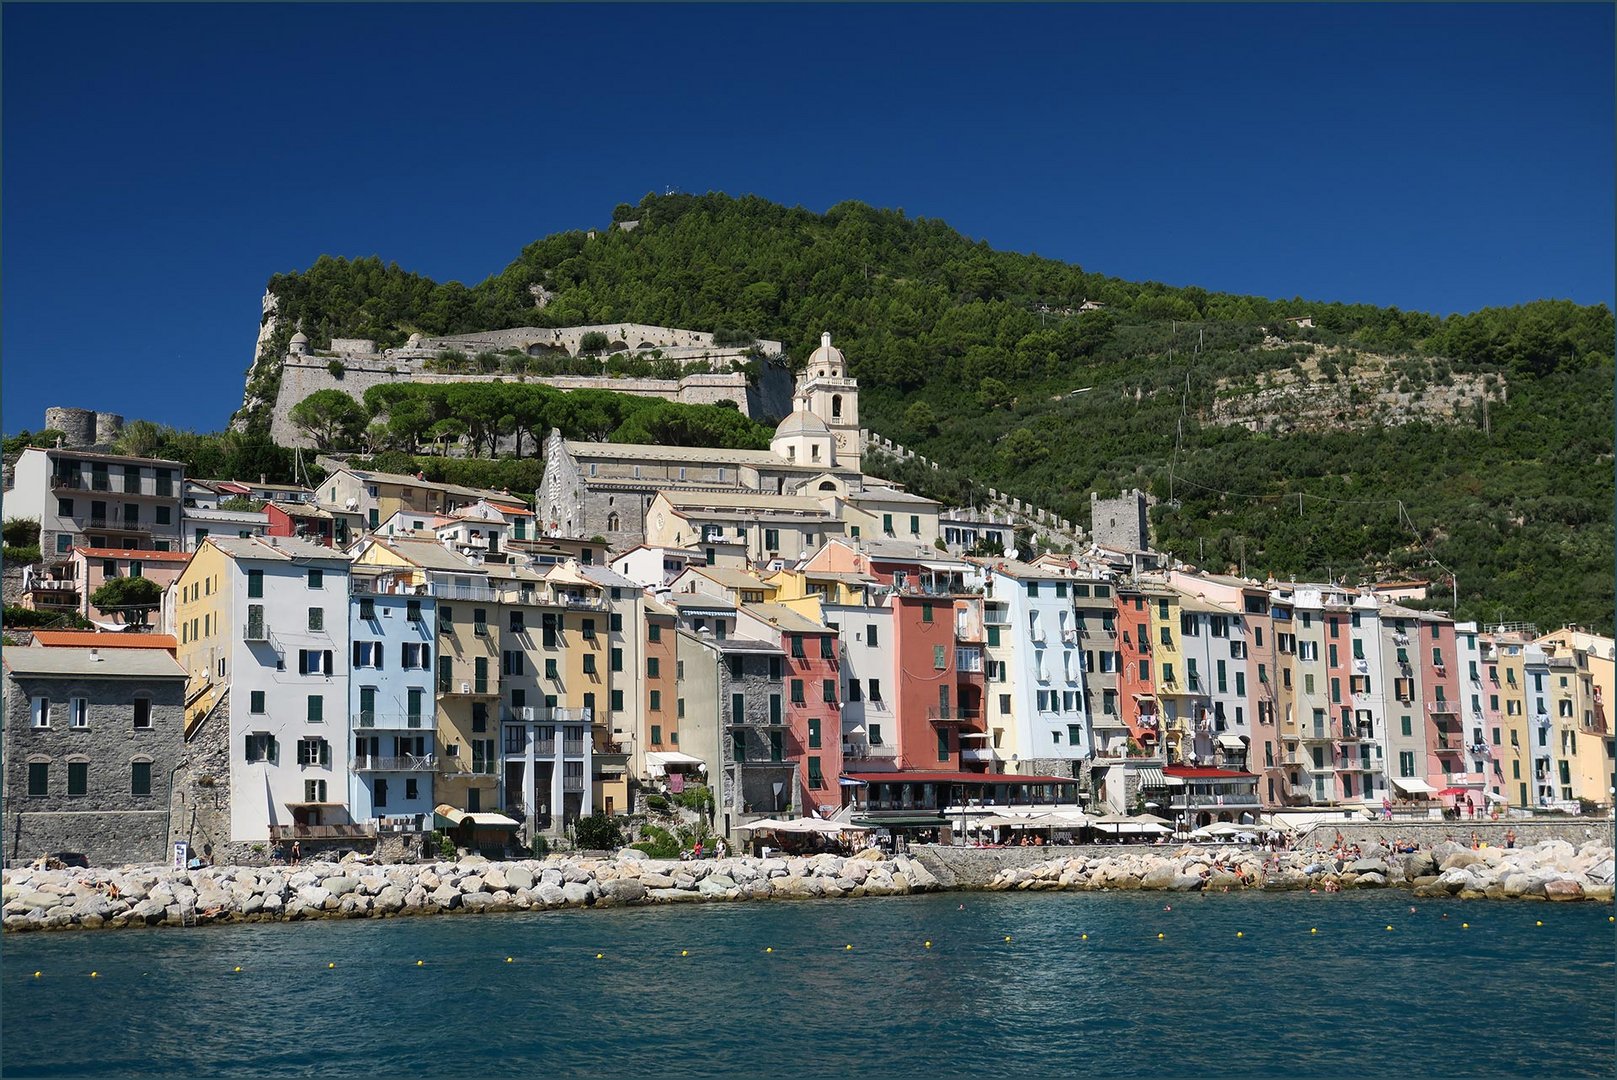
<point x="1043" y="674"/>
<point x="83" y="498"/>
<point x="268" y="621"/>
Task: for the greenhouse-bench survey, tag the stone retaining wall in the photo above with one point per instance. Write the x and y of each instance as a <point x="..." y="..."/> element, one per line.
<point x="1575" y="831"/>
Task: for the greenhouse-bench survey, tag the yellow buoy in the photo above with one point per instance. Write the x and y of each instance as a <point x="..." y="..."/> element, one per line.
<point x="507" y="959"/>
<point x="1239" y="934"/>
<point x="1465" y="926"/>
<point x="1539" y="923"/>
<point x="927" y="944"/>
<point x="684" y="952"/>
<point x="1389" y="927"/>
<point x="598" y="956"/>
<point x="769" y="948"/>
<point x="1083" y="937"/>
<point x="238" y="967"/>
<point x="420" y="963"/>
<point x="1313" y="929"/>
<point x="847" y="948"/>
<point x="39" y="974"/>
<point x="1159" y="937"/>
<point x="1007" y="937"/>
<point x="331" y="965"/>
<point x="1611" y="918"/>
<point x="93" y="974"/>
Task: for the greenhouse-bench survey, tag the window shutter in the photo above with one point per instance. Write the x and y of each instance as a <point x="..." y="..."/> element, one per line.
<point x="328" y="661"/>
<point x="325" y="753"/>
<point x="359" y="653"/>
<point x="248" y="754"/>
<point x="378" y="648"/>
<point x="274" y="750"/>
<point x="426" y="656"/>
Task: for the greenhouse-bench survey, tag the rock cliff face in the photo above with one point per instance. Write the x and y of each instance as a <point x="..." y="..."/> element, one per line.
<point x="263" y="374"/>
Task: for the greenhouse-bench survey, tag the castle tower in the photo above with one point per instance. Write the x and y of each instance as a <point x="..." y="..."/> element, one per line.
<point x="830" y="395"/>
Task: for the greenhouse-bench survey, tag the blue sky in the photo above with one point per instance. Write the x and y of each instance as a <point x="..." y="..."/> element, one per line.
<point x="161" y="162"/>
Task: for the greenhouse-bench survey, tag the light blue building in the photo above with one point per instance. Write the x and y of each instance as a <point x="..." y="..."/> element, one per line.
<point x="393" y="758"/>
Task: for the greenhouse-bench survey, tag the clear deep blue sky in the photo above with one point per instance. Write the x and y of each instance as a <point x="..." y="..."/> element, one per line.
<point x="160" y="163"/>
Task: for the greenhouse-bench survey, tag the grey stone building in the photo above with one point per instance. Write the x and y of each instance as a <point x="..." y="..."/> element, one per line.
<point x="1121" y="523"/>
<point x="92" y="738"/>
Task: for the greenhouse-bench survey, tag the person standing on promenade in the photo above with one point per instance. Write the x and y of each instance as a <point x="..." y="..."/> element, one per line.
<point x="297" y="853"/>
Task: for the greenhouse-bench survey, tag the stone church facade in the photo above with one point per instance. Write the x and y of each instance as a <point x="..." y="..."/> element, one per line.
<point x="605" y="489"/>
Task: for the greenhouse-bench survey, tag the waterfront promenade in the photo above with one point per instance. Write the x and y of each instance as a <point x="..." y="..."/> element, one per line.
<point x="1555" y="870"/>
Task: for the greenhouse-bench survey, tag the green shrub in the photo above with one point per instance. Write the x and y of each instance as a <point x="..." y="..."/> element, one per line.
<point x="337" y="369"/>
<point x="593" y="342"/>
<point x="698" y="797"/>
<point x="29" y="554"/>
<point x="657" y="803"/>
<point x="20" y="533"/>
<point x="598" y="832"/>
<point x="53" y="620"/>
<point x="657" y="842"/>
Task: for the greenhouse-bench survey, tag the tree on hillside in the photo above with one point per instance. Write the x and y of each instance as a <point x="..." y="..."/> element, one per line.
<point x="130" y="599"/>
<point x="331" y="418"/>
<point x="920" y="419"/>
<point x="1022" y="450"/>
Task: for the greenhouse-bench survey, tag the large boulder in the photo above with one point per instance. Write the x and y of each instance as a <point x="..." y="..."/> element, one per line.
<point x="340" y="886"/>
<point x="625" y="890"/>
<point x="518" y="877"/>
<point x="496" y="880"/>
<point x="1461" y="858"/>
<point x="578" y="892"/>
<point x="1562" y="889"/>
<point x="1160" y="876"/>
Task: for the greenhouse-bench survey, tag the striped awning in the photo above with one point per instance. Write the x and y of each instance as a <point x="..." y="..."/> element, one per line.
<point x="1151" y="776"/>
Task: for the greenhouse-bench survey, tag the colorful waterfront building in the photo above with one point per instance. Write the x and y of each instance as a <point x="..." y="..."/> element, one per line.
<point x="392" y="630"/>
<point x="266" y="621"/>
<point x="1048" y="719"/>
<point x="813" y="697"/>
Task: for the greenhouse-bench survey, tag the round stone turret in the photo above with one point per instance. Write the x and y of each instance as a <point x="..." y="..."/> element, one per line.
<point x="76" y="425"/>
<point x="299" y="345"/>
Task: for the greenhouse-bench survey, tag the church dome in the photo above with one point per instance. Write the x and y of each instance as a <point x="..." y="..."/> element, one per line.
<point x="827" y="357"/>
<point x="802" y="422"/>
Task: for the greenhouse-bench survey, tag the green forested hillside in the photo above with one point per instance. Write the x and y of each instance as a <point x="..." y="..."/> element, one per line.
<point x="972" y="356"/>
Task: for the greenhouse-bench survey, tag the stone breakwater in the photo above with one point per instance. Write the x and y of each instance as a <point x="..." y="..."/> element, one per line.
<point x="1552" y="870"/>
<point x="156" y="896"/>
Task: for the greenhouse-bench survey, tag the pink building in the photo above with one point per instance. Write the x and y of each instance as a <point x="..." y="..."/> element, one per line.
<point x="93" y="567"/>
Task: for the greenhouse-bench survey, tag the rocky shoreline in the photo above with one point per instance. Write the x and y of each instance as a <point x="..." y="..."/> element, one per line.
<point x="1551" y="870"/>
<point x="157" y="896"/>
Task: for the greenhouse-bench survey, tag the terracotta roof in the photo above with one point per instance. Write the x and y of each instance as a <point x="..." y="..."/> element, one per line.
<point x="507" y="508"/>
<point x="92" y="639"/>
<point x="142" y="556"/>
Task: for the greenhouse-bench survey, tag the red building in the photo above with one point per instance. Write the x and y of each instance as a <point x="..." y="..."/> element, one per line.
<point x="813" y="707"/>
<point x="296" y="519"/>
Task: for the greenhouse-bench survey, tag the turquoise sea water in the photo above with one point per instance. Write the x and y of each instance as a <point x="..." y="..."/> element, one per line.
<point x="1428" y="998"/>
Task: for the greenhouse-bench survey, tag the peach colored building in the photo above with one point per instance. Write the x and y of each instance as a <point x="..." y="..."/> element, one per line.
<point x="94" y="567"/>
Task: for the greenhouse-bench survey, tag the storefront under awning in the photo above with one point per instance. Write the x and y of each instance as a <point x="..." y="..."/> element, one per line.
<point x="1413" y="786"/>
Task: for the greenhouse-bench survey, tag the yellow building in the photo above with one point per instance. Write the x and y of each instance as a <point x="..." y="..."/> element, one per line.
<point x="1583" y="667"/>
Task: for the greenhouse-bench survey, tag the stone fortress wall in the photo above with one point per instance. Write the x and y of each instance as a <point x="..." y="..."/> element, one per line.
<point x="84" y="427"/>
<point x="362" y="365"/>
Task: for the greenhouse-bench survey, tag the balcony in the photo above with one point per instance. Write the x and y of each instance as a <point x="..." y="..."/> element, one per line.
<point x="582" y="603"/>
<point x="952" y="717"/>
<point x="868" y="752"/>
<point x="1443" y="708"/>
<point x="256" y="631"/>
<point x="1193" y="801"/>
<point x="118" y="525"/>
<point x="470" y="688"/>
<point x="572" y="784"/>
<point x="372" y="720"/>
<point x="572" y="747"/>
<point x="1445" y="747"/>
<point x="408" y="763"/>
<point x="980" y="755"/>
<point x="463" y="592"/>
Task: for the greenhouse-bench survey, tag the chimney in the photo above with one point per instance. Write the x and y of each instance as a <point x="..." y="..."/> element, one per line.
<point x="95" y="656"/>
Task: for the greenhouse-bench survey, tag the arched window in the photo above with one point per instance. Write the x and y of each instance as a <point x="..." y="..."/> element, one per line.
<point x="39" y="774"/>
<point x="612" y="522"/>
<point x="836" y="406"/>
<point x="828" y="485"/>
